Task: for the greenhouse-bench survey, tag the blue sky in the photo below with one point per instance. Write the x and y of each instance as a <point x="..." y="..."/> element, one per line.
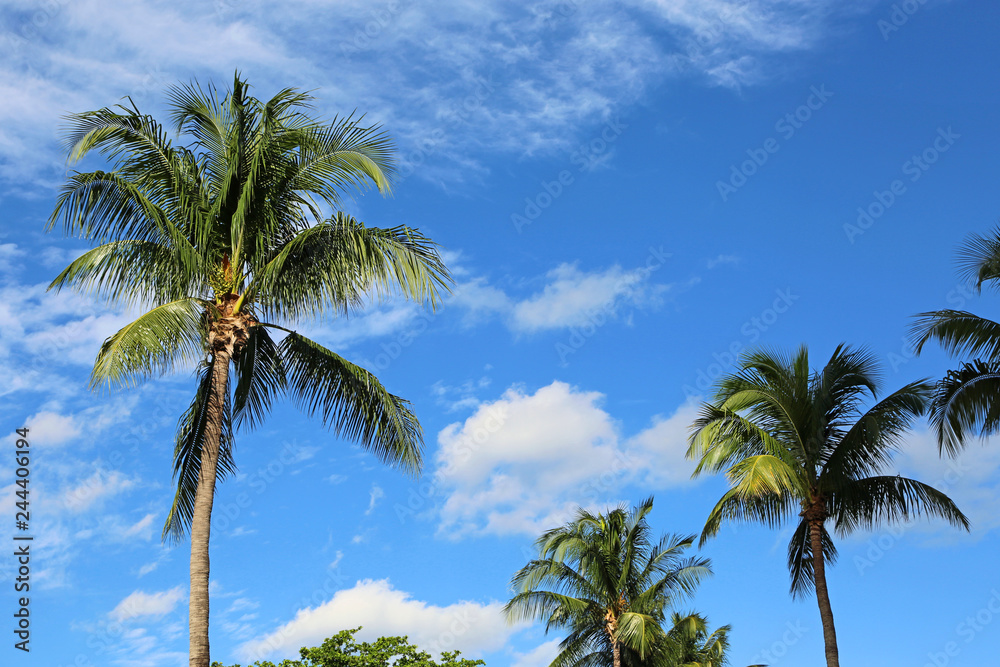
<point x="627" y="194"/>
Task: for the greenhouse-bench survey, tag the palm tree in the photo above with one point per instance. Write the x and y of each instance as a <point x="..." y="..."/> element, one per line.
<point x="602" y="578"/>
<point x="218" y="243"/>
<point x="693" y="645"/>
<point x="965" y="399"/>
<point x="795" y="441"/>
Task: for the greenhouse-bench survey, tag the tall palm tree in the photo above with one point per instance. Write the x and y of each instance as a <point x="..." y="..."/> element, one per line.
<point x="965" y="399"/>
<point x="602" y="578"/>
<point x="795" y="442"/>
<point x="219" y="242"/>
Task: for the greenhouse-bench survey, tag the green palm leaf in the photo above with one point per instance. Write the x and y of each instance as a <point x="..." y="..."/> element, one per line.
<point x="352" y="402"/>
<point x="190" y="441"/>
<point x="153" y="344"/>
<point x="965" y="402"/>
<point x="261" y="377"/>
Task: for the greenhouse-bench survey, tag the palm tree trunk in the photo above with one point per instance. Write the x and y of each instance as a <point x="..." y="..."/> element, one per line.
<point x="822" y="594"/>
<point x="202" y="518"/>
<point x="616" y="653"/>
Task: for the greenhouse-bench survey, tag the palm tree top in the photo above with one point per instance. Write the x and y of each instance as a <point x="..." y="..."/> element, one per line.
<point x="793" y="441"/>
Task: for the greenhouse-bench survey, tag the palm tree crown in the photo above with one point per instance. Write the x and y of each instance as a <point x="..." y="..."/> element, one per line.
<point x="965" y="399"/>
<point x="796" y="442"/>
<point x="603" y="578"/>
<point x="224" y="243"/>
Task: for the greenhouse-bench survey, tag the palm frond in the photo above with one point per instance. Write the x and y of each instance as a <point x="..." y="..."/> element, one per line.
<point x="866" y="503"/>
<point x="341" y="262"/>
<point x="261" y="377"/>
<point x="352" y="402"/>
<point x="132" y="272"/>
<point x="965" y="403"/>
<point x="868" y="445"/>
<point x="959" y="332"/>
<point x="151" y="345"/>
<point x="979" y="258"/>
<point x="800" y="558"/>
<point x="191" y="431"/>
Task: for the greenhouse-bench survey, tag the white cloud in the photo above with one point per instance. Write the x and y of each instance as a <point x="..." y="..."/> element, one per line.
<point x="540" y="656"/>
<point x="51" y="428"/>
<point x="520" y="463"/>
<point x="971" y="480"/>
<point x="525" y="462"/>
<point x="9" y="256"/>
<point x="658" y="452"/>
<point x="573" y="297"/>
<point x="54" y="327"/>
<point x="375" y="495"/>
<point x="143" y="528"/>
<point x="497" y="76"/>
<point x="382" y="610"/>
<point x="99" y="486"/>
<point x="140" y="603"/>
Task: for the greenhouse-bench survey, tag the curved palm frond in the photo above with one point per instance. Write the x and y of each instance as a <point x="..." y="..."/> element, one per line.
<point x="261" y="377"/>
<point x="151" y="345"/>
<point x="771" y="510"/>
<point x="800" y="558"/>
<point x="866" y="503"/>
<point x="869" y="444"/>
<point x="188" y="447"/>
<point x="979" y="258"/>
<point x="343" y="156"/>
<point x="352" y="402"/>
<point x="959" y="332"/>
<point x="964" y="403"/>
<point x="132" y="272"/>
<point x="341" y="262"/>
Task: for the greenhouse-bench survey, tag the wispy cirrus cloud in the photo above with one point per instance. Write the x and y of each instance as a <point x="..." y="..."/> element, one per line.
<point x="496" y="76"/>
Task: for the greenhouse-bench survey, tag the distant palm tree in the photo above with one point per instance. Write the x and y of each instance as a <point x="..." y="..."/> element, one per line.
<point x="219" y="242"/>
<point x="603" y="579"/>
<point x="795" y="442"/>
<point x="965" y="400"/>
<point x="693" y="645"/>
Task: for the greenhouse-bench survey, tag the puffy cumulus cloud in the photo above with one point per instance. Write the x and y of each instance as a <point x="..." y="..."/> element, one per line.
<point x="140" y="603"/>
<point x="382" y="610"/>
<point x="659" y="451"/>
<point x="51" y="428"/>
<point x="525" y="462"/>
<point x="540" y="656"/>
